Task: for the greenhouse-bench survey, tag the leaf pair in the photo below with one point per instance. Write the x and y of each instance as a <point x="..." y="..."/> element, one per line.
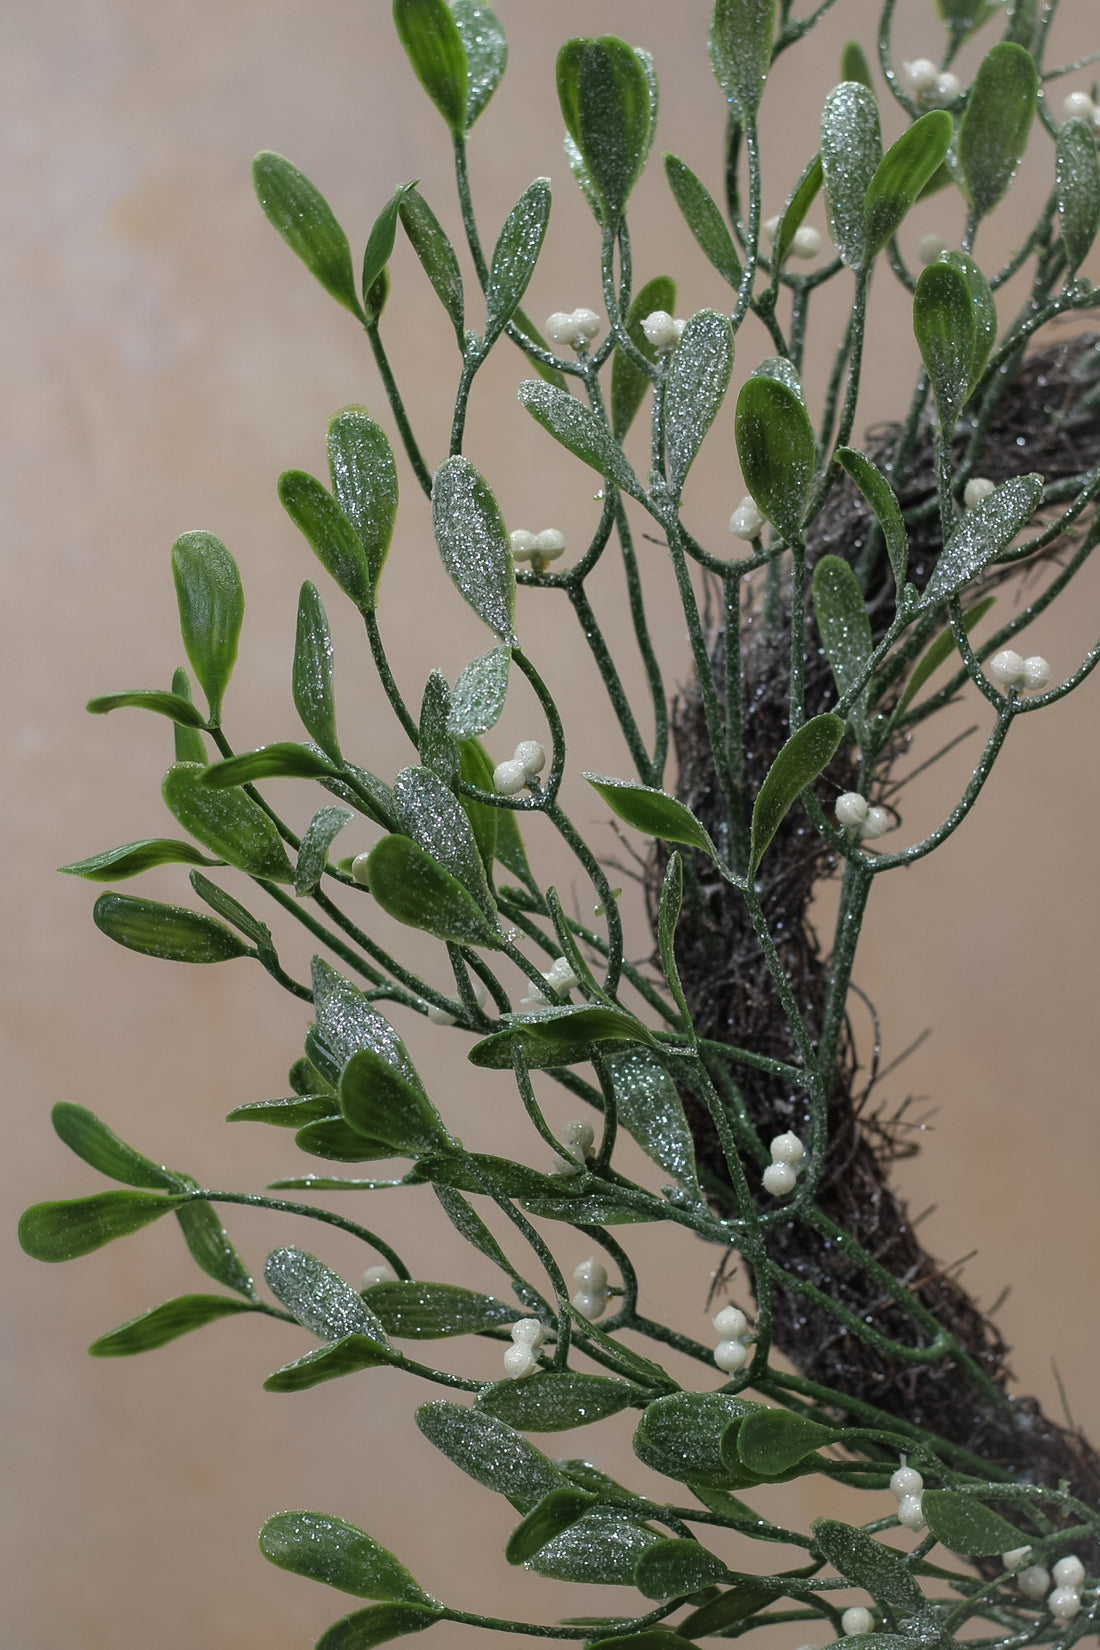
<point x="867" y="193"/>
<point x="608" y="96"/>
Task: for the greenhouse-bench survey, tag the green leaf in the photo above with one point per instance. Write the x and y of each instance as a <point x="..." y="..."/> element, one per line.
<point x="379" y="247"/>
<point x="437" y="256"/>
<point x="652" y="811"/>
<point x="602" y="1548"/>
<point x="734" y="1605"/>
<point x="980" y="536"/>
<point x="1077" y="182"/>
<point x="292" y="1113"/>
<point x="555" y="1513"/>
<point x="312" y="855"/>
<point x="162" y="1324"/>
<point x="681" y="1436"/>
<point x="771" y="1441"/>
<point x="478" y="696"/>
<point x="347" y="1023"/>
<point x="854" y="65"/>
<point x="168" y="931"/>
<point x="437" y="745"/>
<point x="628" y="382"/>
<point x="84" y="1134"/>
<point x="673" y="1569"/>
<point x="433" y="45"/>
<point x="225" y="906"/>
<point x="347" y="1356"/>
<point x="994" y="128"/>
<point x="985" y="310"/>
<point x="867" y="1563"/>
<point x="941" y="650"/>
<point x="227" y="822"/>
<point x="851" y="150"/>
<point x="698" y="379"/>
<point x="649" y="1108"/>
<point x="605" y="96"/>
<point x="582" y="431"/>
<point x="211" y="1249"/>
<point x="330" y="535"/>
<point x="775" y="444"/>
<point x="486" y="53"/>
<point x="1022" y="18"/>
<point x="741" y="33"/>
<point x="653" y="1638"/>
<point x="555" y="1400"/>
<point x="364" y="484"/>
<point x="964" y="1526"/>
<point x="543" y="1195"/>
<point x="413" y="889"/>
<point x="705" y="221"/>
<point x="284" y="760"/>
<point x="318" y="1298"/>
<point x="668" y="915"/>
<point x="181" y="710"/>
<point x="494" y="1454"/>
<point x="326" y="1549"/>
<point x="376" y="1625"/>
<point x="557" y="1037"/>
<point x="188" y="741"/>
<point x="115" y="864"/>
<point x="429" y="814"/>
<point x="798" y="764"/>
<point x="367" y="796"/>
<point x="801" y="198"/>
<point x="469" y="1225"/>
<point x="515" y="256"/>
<point x="491" y="826"/>
<point x="302" y="216"/>
<point x="374" y="298"/>
<point x="429" y="1311"/>
<point x="76" y="1226"/>
<point x="844" y="625"/>
<point x="378" y="1103"/>
<point x="946" y="331"/>
<point x="304" y="1078"/>
<point x="901" y="175"/>
<point x="883" y="501"/>
<point x="474" y="544"/>
<point x="311" y="679"/>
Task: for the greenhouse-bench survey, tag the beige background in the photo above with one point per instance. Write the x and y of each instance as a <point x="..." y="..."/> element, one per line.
<point x="166" y="358"/>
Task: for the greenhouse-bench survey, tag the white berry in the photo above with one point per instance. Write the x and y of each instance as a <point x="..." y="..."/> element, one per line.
<point x="730" y="1356"/>
<point x="509" y="778"/>
<point x="586" y="324"/>
<point x="378" y="1274"/>
<point x="662" y="330"/>
<point x="590" y="1306"/>
<point x="930" y="247"/>
<point x="548" y="545"/>
<point x="922" y="75"/>
<point x="560" y="976"/>
<point x="1007" y="668"/>
<point x="910" y="1516"/>
<point x="579" y="1138"/>
<point x="746" y="521"/>
<point x="730" y="1323"/>
<point x="769" y="227"/>
<point x="1036" y="673"/>
<point x="530" y="755"/>
<point x="948" y="87"/>
<point x="806" y="242"/>
<point x="906" y="1481"/>
<point x="528" y="1332"/>
<point x="977" y="488"/>
<point x="1079" y="106"/>
<point x="519" y="1360"/>
<point x="875" y="825"/>
<point x="851" y="809"/>
<point x="522" y="542"/>
<point x="779" y="1179"/>
<point x="1064" y="1603"/>
<point x="559" y="327"/>
<point x="359" y="869"/>
<point x="1034" y="1581"/>
<point x="857" y="1619"/>
<point x="1014" y="1559"/>
<point x="591" y="1276"/>
<point x="787" y="1148"/>
<point x="440" y="1016"/>
<point x="1069" y="1572"/>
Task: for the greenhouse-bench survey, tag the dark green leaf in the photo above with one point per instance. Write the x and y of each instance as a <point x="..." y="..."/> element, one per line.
<point x="76" y="1226"/>
<point x="901" y="175"/>
<point x="428" y="1311"/>
<point x="602" y="1548"/>
<point x="364" y="484"/>
<point x="801" y="198"/>
<point x="211" y="1249"/>
<point x="330" y="534"/>
<point x="555" y="1513"/>
<point x="337" y="1142"/>
<point x="854" y="65"/>
<point x="379" y="1103"/>
<point x="311" y="679"/>
<point x="681" y="1435"/>
<point x="546" y="1196"/>
<point x="964" y="1526"/>
<point x="413" y="889"/>
<point x="515" y="256"/>
<point x="981" y="534"/>
<point x="557" y="1036"/>
<point x="436" y="254"/>
<point x="489" y="1451"/>
<point x="479" y="694"/>
<point x="320" y="833"/>
<point x="327" y="1549"/>
<point x="233" y="911"/>
<point x="705" y="221"/>
<point x="605" y="96"/>
<point x="628" y="382"/>
<point x="985" y="310"/>
<point x="941" y="650"/>
<point x="1078" y="186"/>
<point x="367" y="795"/>
<point x="799" y="762"/>
<point x="227" y="822"/>
<point x="437" y="745"/>
<point x="304" y="1078"/>
<point x="374" y="298"/>
<point x="844" y="624"/>
<point x="775" y="444"/>
<point x="84" y="1134"/>
<point x="772" y="1441"/>
<point x="946" y="331"/>
<point x="580" y="430"/>
<point x="319" y="1298"/>
<point x="469" y="1225"/>
<point x="867" y="1563"/>
<point x="880" y="496"/>
<point x="994" y="128"/>
<point x="486" y="53"/>
<point x="428" y="813"/>
<point x="673" y="1569"/>
<point x="555" y="1400"/>
<point x="734" y="1605"/>
<point x="348" y="1023"/>
<point x="741" y="33"/>
<point x="668" y="915"/>
<point x="188" y="741"/>
<point x="167" y="931"/>
<point x="379" y="246"/>
<point x="292" y="1113"/>
<point x="181" y="710"/>
<point x="652" y="811"/>
<point x="284" y="760"/>
<point x="650" y="1109"/>
<point x="376" y="1625"/>
<point x="474" y="544"/>
<point x="851" y="149"/>
<point x="346" y="1356"/>
<point x="162" y="1324"/>
<point x="491" y="826"/>
<point x="115" y="864"/>
<point x="302" y="216"/>
<point x="653" y="1638"/>
<point x="433" y="45"/>
<point x="698" y="379"/>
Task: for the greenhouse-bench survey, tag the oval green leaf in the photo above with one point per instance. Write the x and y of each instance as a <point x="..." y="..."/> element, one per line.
<point x="116" y="864"/>
<point x="1077" y="183"/>
<point x="174" y="705"/>
<point x="801" y="198"/>
<point x="982" y="533"/>
<point x="428" y="812"/>
<point x="867" y="1563"/>
<point x="883" y="501"/>
<point x="376" y="1102"/>
<point x="494" y="1454"/>
<point x="673" y="1569"/>
<point x="304" y="219"/>
<point x="798" y="764"/>
<point x="210" y="1248"/>
<point x="486" y="53"/>
<point x="327" y="1549"/>
<point x="628" y="382"/>
<point x="734" y="1605"/>
<point x="430" y="1311"/>
<point x="649" y="1108"/>
<point x="364" y="484"/>
<point x="437" y="256"/>
<point x="741" y="34"/>
<point x="346" y="1356"/>
<point x="515" y="256"/>
<point x="319" y="1298"/>
<point x="579" y="429"/>
<point x="76" y="1226"/>
<point x="698" y="379"/>
<point x="168" y="931"/>
<point x="901" y="175"/>
<point x="329" y="534"/>
<point x="477" y="699"/>
<point x="705" y="221"/>
<point x="313" y="854"/>
<point x="843" y="622"/>
<point x="474" y="544"/>
<point x="652" y="811"/>
<point x="227" y="822"/>
<point x="284" y="760"/>
<point x="555" y="1513"/>
<point x="775" y="444"/>
<point x="946" y="331"/>
<point x="347" y="1022"/>
<point x="433" y="45"/>
<point x="557" y="1037"/>
<point x="556" y="1400"/>
<point x="84" y="1134"/>
<point x="994" y="128"/>
<point x="851" y="151"/>
<point x="605" y="96"/>
<point x="162" y="1324"/>
<point x="771" y="1441"/>
<point x="985" y="310"/>
<point x="376" y="1625"/>
<point x="409" y="885"/>
<point x="681" y="1436"/>
<point x="311" y="678"/>
<point x="964" y="1526"/>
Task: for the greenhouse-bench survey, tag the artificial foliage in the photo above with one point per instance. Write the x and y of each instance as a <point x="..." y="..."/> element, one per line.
<point x="868" y="590"/>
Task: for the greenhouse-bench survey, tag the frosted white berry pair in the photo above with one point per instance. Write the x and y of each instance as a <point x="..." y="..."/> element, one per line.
<point x="522" y="1357"/>
<point x="540" y="549"/>
<point x="855" y="813"/>
<point x="781" y="1175"/>
<point x="573" y="329"/>
<point x="526" y="761"/>
<point x="1068" y="1574"/>
<point x="908" y="1486"/>
<point x="732" y="1326"/>
<point x="1009" y="670"/>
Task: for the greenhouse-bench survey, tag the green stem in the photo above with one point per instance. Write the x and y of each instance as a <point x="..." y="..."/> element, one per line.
<point x="397" y="407"/>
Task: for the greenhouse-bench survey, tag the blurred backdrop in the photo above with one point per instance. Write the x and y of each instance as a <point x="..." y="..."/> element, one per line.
<point x="166" y="358"/>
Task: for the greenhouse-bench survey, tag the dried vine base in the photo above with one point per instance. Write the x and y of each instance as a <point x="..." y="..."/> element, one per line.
<point x="731" y="996"/>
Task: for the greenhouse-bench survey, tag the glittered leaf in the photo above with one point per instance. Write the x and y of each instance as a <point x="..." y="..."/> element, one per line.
<point x="741" y="33"/>
<point x="798" y="764"/>
<point x="437" y="255"/>
<point x="843" y="622"/>
<point x="347" y="1356"/>
<point x="649" y="1108"/>
<point x="414" y="889"/>
<point x="433" y="45"/>
<point x="489" y="1451"/>
<point x="168" y="931"/>
<point x="76" y="1226"/>
<point x="547" y="1196"/>
<point x="304" y="219"/>
<point x="986" y="529"/>
<point x="602" y="1548"/>
<point x="946" y="331"/>
<point x="311" y="679"/>
<point x="477" y="698"/>
<point x="378" y="1103"/>
<point x="84" y="1134"/>
<point x="428" y="1311"/>
<point x="474" y="543"/>
<point x="985" y="310"/>
<point x="556" y="1400"/>
<point x="964" y="1526"/>
<point x="486" y="53"/>
<point x="994" y="128"/>
<point x="605" y="96"/>
<point x="801" y="198"/>
<point x="318" y="1298"/>
<point x="376" y="1625"/>
<point x="867" y="1563"/>
<point x="672" y="1569"/>
<point x="901" y="175"/>
<point x="698" y="378"/>
<point x="557" y="1037"/>
<point x="347" y="1022"/>
<point x="312" y="855"/>
<point x="681" y="1435"/>
<point x="227" y="822"/>
<point x="428" y="813"/>
<point x="515" y="256"/>
<point x="582" y="431"/>
<point x="162" y="1324"/>
<point x="771" y="1441"/>
<point x="851" y="150"/>
<point x="556" y="1512"/>
<point x="327" y="1549"/>
<point x="438" y="747"/>
<point x="280" y="761"/>
<point x="652" y="811"/>
<point x="364" y="485"/>
<point x="883" y="501"/>
<point x="775" y="444"/>
<point x="705" y="221"/>
<point x="1077" y="182"/>
<point x="115" y="864"/>
<point x="628" y="382"/>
